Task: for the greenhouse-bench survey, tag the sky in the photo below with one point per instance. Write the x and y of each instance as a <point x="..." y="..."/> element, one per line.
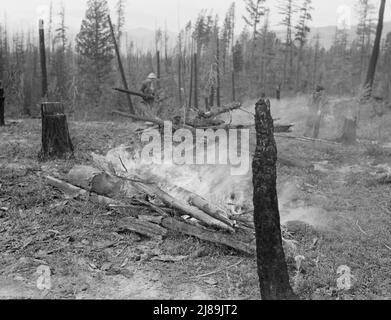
<point x="23" y="14"/>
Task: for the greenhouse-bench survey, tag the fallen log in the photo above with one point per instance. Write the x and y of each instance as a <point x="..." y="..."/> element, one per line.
<point x="209" y="208"/>
<point x="134" y="93"/>
<point x="207" y="235"/>
<point x="94" y="180"/>
<point x="213" y="114"/>
<point x="249" y="223"/>
<point x="155" y="120"/>
<point x="101" y="182"/>
<point x="73" y="191"/>
<point x="278" y="128"/>
<point x="292" y="162"/>
<point x="144" y="228"/>
<point x="199" y="202"/>
<point x="183" y="207"/>
<point x="305" y="139"/>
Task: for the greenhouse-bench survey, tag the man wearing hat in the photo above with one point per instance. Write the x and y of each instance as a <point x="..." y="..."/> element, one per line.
<point x="315" y="114"/>
<point x="150" y="89"/>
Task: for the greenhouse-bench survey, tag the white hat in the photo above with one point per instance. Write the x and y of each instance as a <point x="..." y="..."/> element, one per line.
<point x="152" y="76"/>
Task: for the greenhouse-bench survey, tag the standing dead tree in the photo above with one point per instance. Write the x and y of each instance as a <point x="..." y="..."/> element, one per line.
<point x="195" y="65"/>
<point x="272" y="267"/>
<point x="2" y="100"/>
<point x="56" y="142"/>
<point x="376" y="49"/>
<point x="120" y="66"/>
<point x="42" y="50"/>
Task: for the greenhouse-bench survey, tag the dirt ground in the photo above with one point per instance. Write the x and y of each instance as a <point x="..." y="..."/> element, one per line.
<point x="342" y="217"/>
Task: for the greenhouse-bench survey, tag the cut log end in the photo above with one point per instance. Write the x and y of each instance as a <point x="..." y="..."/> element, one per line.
<point x="56" y="141"/>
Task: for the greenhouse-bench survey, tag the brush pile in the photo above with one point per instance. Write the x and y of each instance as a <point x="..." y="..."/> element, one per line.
<point x="170" y="208"/>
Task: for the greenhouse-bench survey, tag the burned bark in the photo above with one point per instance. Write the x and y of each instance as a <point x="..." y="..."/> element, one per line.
<point x="195" y="81"/>
<point x="56" y="142"/>
<point x="42" y="52"/>
<point x="120" y="65"/>
<point x="2" y="102"/>
<point x="228" y="240"/>
<point x="376" y="49"/>
<point x="144" y="228"/>
<point x="272" y="267"/>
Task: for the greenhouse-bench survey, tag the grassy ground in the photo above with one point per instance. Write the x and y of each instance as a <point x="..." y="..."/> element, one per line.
<point x="343" y="218"/>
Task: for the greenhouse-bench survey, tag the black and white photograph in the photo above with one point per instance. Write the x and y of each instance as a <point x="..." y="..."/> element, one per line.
<point x="195" y="155"/>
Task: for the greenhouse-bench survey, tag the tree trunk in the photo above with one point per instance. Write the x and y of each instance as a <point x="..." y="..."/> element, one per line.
<point x="158" y="64"/>
<point x="195" y="81"/>
<point x="233" y="86"/>
<point x="218" y="97"/>
<point x="278" y="92"/>
<point x="120" y="66"/>
<point x="180" y="88"/>
<point x="42" y="49"/>
<point x="212" y="97"/>
<point x="2" y="102"/>
<point x="349" y="133"/>
<point x="272" y="267"/>
<point x="56" y="142"/>
<point x="376" y="49"/>
<point x="191" y="81"/>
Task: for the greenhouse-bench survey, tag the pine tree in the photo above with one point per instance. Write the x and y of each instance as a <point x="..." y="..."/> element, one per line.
<point x="95" y="46"/>
<point x="255" y="10"/>
<point x="287" y="9"/>
<point x="302" y="31"/>
<point x="59" y="64"/>
<point x="120" y="8"/>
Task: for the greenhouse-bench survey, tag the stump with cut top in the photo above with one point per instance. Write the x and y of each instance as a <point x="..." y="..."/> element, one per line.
<point x="56" y="142"/>
<point x="349" y="132"/>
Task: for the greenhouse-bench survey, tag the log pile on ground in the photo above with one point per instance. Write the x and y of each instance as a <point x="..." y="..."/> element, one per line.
<point x="190" y="215"/>
<point x="203" y="120"/>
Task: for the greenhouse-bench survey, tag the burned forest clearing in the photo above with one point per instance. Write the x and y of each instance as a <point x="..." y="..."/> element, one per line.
<point x="333" y="198"/>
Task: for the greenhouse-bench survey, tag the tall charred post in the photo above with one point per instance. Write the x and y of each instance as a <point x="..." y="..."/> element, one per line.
<point x="42" y="52"/>
<point x="120" y="66"/>
<point x="2" y="103"/>
<point x="272" y="267"/>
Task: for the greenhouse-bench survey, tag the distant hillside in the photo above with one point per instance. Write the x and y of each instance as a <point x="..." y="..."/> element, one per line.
<point x="144" y="39"/>
<point x="327" y="33"/>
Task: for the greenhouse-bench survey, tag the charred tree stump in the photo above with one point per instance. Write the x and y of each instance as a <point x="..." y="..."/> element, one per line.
<point x="272" y="267"/>
<point x="349" y="132"/>
<point x="2" y="101"/>
<point x="56" y="142"/>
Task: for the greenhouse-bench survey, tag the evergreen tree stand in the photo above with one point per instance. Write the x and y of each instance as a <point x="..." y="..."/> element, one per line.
<point x="56" y="142"/>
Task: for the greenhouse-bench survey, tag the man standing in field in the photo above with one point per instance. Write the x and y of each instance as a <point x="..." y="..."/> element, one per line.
<point x="316" y="106"/>
<point x="150" y="89"/>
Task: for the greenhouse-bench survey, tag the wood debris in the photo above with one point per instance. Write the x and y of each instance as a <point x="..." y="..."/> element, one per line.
<point x="209" y="222"/>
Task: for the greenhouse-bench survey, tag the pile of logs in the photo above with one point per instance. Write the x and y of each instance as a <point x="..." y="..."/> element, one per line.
<point x="203" y="120"/>
<point x="190" y="215"/>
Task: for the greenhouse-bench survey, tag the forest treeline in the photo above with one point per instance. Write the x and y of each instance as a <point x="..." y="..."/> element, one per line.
<point x="212" y="63"/>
